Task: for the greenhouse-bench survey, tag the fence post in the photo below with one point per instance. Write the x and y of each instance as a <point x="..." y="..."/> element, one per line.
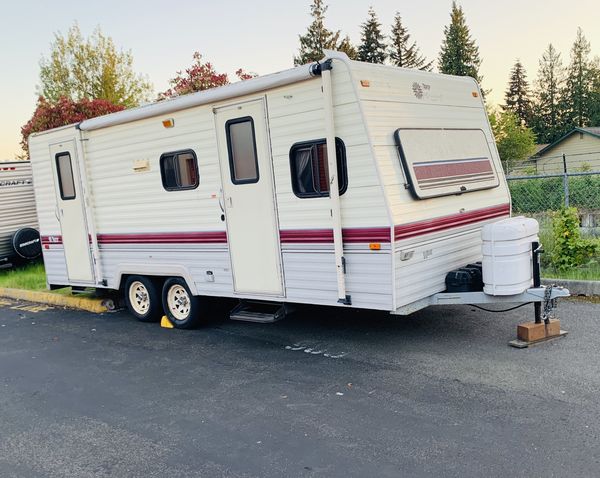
<point x="565" y="180"/>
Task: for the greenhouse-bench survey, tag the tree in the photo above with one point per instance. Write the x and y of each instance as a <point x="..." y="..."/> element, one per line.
<point x="514" y="140"/>
<point x="459" y="54"/>
<point x="577" y="102"/>
<point x="372" y="48"/>
<point x="517" y="97"/>
<point x="402" y="52"/>
<point x="317" y="37"/>
<point x="595" y="97"/>
<point x="63" y="112"/>
<point x="348" y="48"/>
<point x="546" y="121"/>
<point x="199" y="77"/>
<point x="90" y="68"/>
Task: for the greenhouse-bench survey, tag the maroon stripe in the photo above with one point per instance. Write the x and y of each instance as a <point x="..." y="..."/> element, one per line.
<point x="405" y="231"/>
<point x="51" y="239"/>
<point x="324" y="236"/>
<point x="214" y="237"/>
<point x="429" y="171"/>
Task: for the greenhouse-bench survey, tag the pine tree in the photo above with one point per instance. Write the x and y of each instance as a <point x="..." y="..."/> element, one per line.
<point x="372" y="47"/>
<point x="517" y="97"/>
<point x="578" y="86"/>
<point x="402" y="52"/>
<point x="348" y="48"/>
<point x="317" y="37"/>
<point x="459" y="54"/>
<point x="547" y="117"/>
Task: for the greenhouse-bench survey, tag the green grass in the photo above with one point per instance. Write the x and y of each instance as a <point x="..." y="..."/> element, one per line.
<point x="588" y="272"/>
<point x="30" y="277"/>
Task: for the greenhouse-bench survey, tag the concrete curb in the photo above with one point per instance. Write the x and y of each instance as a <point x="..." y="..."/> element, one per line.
<point x="577" y="287"/>
<point x="79" y="303"/>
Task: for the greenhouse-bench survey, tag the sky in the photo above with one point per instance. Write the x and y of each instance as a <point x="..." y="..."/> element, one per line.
<point x="261" y="36"/>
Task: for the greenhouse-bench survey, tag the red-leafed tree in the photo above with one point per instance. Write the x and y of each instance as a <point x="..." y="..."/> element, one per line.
<point x="65" y="111"/>
<point x="198" y="77"/>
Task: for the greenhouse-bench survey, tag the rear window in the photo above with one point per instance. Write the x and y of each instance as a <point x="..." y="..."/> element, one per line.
<point x="179" y="170"/>
<point x="442" y="162"/>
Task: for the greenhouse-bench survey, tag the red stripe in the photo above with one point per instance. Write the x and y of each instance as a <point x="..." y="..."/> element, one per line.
<point x="324" y="236"/>
<point x="405" y="231"/>
<point x="51" y="239"/>
<point x="213" y="237"/>
<point x="431" y="171"/>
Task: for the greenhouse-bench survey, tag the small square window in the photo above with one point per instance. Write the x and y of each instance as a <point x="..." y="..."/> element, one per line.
<point x="310" y="170"/>
<point x="179" y="170"/>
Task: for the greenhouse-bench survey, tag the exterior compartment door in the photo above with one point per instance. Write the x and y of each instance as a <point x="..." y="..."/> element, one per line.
<point x="249" y="198"/>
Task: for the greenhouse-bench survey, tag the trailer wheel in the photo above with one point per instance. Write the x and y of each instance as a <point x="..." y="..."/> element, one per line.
<point x="182" y="308"/>
<point x="142" y="299"/>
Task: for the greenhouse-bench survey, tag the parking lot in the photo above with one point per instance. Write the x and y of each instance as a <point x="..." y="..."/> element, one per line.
<point x="321" y="393"/>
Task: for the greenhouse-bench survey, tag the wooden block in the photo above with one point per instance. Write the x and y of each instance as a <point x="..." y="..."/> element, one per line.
<point x="530" y="331"/>
<point x="553" y="328"/>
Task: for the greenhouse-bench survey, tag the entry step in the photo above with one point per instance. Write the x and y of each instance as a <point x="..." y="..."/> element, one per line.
<point x="258" y="311"/>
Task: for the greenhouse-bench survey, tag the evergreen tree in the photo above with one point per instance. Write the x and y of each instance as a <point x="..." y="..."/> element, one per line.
<point x="547" y="117"/>
<point x="317" y="37"/>
<point x="403" y="53"/>
<point x="348" y="48"/>
<point x="595" y="99"/>
<point x="577" y="96"/>
<point x="517" y="97"/>
<point x="459" y="54"/>
<point x="372" y="47"/>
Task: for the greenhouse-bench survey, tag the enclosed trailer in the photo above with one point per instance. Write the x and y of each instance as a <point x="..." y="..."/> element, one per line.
<point x="19" y="236"/>
<point x="227" y="192"/>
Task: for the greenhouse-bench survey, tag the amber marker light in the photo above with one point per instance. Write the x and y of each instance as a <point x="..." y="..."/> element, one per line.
<point x="365" y="83"/>
<point x="168" y="123"/>
<point x="475" y="94"/>
<point x="375" y="246"/>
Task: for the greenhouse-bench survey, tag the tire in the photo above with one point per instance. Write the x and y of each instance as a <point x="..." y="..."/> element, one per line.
<point x="26" y="243"/>
<point x="143" y="299"/>
<point x="183" y="309"/>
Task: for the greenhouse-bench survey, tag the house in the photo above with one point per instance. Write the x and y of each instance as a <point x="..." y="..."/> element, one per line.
<point x="581" y="147"/>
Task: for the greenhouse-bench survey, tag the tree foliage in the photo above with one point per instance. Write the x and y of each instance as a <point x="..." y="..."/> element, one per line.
<point x="372" y="48"/>
<point x="518" y="97"/>
<point x="403" y="52"/>
<point x="549" y="86"/>
<point x="459" y="54"/>
<point x="577" y="95"/>
<point x="63" y="112"/>
<point x="514" y="140"/>
<point x="198" y="77"/>
<point x="90" y="68"/>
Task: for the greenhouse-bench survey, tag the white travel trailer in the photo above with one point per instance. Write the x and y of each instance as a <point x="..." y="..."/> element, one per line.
<point x="227" y="192"/>
<point x="19" y="236"/>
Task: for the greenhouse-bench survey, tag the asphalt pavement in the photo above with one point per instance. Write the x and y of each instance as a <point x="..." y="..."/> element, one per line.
<point x="324" y="392"/>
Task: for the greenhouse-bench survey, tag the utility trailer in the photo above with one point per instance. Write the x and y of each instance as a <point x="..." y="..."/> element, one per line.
<point x="19" y="236"/>
<point x="228" y="192"/>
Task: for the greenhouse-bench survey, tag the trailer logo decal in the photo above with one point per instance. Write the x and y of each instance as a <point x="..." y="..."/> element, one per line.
<point x="421" y="90"/>
<point x="15" y="182"/>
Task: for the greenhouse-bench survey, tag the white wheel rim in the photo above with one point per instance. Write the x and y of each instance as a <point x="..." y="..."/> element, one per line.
<point x="139" y="297"/>
<point x="178" y="301"/>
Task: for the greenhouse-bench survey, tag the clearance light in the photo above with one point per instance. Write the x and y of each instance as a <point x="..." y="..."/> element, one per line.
<point x="375" y="246"/>
<point x="475" y="94"/>
<point x="365" y="83"/>
<point x="168" y="123"/>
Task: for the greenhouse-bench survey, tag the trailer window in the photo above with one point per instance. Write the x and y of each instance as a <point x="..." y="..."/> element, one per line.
<point x="443" y="162"/>
<point x="241" y="146"/>
<point x="179" y="170"/>
<point x="64" y="170"/>
<point x="309" y="169"/>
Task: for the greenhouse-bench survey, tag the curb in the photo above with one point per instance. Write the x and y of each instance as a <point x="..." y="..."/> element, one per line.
<point x="576" y="287"/>
<point x="79" y="303"/>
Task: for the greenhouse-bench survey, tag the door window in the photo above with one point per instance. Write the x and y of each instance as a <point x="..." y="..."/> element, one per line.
<point x="241" y="147"/>
<point x="66" y="183"/>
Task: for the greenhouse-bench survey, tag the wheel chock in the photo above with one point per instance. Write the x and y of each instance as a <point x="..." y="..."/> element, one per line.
<point x="531" y="333"/>
<point x="166" y="323"/>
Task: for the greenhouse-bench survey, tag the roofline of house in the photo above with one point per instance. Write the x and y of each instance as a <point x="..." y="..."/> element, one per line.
<point x="577" y="129"/>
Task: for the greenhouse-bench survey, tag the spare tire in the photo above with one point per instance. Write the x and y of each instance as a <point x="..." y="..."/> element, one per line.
<point x="27" y="244"/>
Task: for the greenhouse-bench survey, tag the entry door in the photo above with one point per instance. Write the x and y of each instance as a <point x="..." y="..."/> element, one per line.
<point x="70" y="211"/>
<point x="250" y="211"/>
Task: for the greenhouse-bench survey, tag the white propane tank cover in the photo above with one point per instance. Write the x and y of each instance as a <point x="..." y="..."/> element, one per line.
<point x="507" y="260"/>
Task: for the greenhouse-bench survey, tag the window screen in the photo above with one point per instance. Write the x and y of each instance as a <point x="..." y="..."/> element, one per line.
<point x="66" y="182"/>
<point x="310" y="171"/>
<point x="179" y="170"/>
<point x="441" y="162"/>
<point x="241" y="145"/>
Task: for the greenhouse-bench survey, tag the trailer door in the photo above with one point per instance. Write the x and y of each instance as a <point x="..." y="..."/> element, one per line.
<point x="70" y="212"/>
<point x="248" y="193"/>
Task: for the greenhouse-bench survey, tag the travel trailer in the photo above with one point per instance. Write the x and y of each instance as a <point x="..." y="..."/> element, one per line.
<point x="19" y="236"/>
<point x="337" y="183"/>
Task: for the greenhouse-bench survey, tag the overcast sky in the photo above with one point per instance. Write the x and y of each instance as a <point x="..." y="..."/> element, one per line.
<point x="262" y="36"/>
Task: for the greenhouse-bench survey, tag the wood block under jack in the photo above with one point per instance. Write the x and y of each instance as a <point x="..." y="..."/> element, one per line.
<point x="530" y="331"/>
<point x="553" y="328"/>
